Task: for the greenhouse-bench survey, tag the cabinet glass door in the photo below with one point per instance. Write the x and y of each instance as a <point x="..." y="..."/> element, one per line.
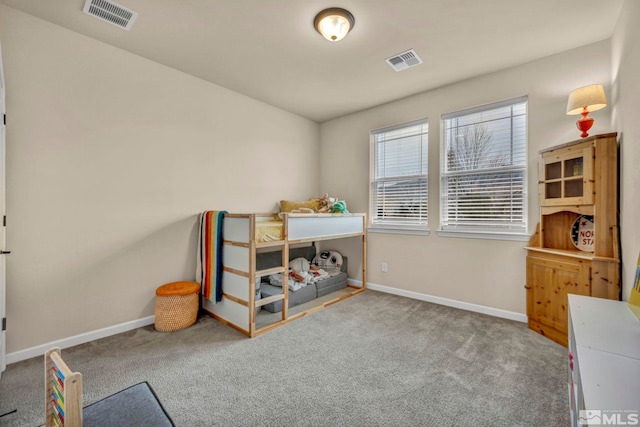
<point x="567" y="178"/>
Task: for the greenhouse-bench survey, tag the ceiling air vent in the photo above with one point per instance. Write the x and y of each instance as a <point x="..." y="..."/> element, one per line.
<point x="404" y="60"/>
<point x="111" y="12"/>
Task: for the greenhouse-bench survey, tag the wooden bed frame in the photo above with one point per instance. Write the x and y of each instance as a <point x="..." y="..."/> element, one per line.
<point x="238" y="306"/>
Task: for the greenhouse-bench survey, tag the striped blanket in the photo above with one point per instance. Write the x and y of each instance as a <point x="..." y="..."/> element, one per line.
<point x="209" y="263"/>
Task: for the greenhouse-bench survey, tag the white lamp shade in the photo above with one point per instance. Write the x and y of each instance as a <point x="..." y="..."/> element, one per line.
<point x="334" y="23"/>
<point x="590" y="97"/>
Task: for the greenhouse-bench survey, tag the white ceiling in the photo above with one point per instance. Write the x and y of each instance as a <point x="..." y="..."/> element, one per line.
<point x="269" y="50"/>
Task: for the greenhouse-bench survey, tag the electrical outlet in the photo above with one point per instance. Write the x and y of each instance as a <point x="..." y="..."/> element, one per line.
<point x="384" y="267"/>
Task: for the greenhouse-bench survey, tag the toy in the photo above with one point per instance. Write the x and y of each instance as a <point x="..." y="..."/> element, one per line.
<point x="328" y="259"/>
<point x="325" y="203"/>
<point x="328" y="204"/>
<point x="340" y="207"/>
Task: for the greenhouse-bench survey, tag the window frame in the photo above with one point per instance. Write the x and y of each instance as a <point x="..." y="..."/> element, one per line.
<point x="449" y="229"/>
<point x="399" y="227"/>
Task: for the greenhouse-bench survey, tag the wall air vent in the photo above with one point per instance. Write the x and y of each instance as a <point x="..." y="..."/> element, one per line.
<point x="111" y="12"/>
<point x="404" y="60"/>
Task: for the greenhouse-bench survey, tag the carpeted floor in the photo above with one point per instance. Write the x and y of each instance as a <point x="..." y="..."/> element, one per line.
<point x="372" y="360"/>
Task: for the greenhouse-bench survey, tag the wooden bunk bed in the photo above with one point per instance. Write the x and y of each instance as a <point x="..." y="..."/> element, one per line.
<point x="243" y="235"/>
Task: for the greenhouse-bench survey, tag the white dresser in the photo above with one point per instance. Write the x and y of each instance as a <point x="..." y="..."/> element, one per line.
<point x="604" y="362"/>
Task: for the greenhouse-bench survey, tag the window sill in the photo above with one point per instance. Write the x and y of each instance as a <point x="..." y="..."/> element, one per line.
<point x="482" y="235"/>
<point x="393" y="230"/>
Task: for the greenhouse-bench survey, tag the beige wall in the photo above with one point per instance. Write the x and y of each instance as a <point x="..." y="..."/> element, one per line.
<point x="109" y="159"/>
<point x="626" y="114"/>
<point x="485" y="272"/>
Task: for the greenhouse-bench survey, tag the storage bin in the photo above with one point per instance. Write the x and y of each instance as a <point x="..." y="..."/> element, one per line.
<point x="176" y="306"/>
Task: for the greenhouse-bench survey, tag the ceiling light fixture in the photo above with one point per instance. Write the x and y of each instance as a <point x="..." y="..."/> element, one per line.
<point x="334" y="23"/>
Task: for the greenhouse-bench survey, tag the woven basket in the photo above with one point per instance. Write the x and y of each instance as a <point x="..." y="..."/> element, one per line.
<point x="176" y="306"/>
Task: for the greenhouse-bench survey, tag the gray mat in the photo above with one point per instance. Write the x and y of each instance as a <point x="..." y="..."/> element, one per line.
<point x="136" y="406"/>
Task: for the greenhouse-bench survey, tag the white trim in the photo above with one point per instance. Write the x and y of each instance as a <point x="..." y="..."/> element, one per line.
<point x="392" y="230"/>
<point x="483" y="235"/>
<point x="484" y="107"/>
<point x="86" y="337"/>
<point x="400" y="126"/>
<point x="3" y="206"/>
<point x="39" y="350"/>
<point x="491" y="311"/>
<point x="354" y="282"/>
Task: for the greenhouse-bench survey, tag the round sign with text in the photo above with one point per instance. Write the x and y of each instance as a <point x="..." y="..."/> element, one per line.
<point x="583" y="233"/>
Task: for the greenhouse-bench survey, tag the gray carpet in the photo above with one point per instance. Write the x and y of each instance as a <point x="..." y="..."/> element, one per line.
<point x="371" y="360"/>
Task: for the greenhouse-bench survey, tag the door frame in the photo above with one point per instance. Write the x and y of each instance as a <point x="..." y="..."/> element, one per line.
<point x="3" y="299"/>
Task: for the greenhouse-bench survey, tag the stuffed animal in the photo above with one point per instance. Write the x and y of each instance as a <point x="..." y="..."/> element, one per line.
<point x="340" y="207"/>
<point x="328" y="259"/>
<point x="326" y="203"/>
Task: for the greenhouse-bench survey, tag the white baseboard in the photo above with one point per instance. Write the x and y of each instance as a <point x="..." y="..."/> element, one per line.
<point x="491" y="311"/>
<point x="39" y="350"/>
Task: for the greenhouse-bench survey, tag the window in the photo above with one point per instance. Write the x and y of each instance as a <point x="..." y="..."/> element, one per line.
<point x="483" y="170"/>
<point x="398" y="191"/>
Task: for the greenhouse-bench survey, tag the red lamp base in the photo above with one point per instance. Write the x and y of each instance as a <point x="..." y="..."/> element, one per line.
<point x="584" y="123"/>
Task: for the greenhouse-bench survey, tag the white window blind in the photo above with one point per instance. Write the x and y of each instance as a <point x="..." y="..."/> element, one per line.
<point x="398" y="192"/>
<point x="483" y="169"/>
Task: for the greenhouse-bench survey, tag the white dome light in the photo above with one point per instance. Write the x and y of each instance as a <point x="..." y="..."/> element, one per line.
<point x="334" y="23"/>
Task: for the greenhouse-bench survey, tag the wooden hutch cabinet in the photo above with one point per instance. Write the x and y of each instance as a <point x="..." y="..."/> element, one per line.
<point x="575" y="249"/>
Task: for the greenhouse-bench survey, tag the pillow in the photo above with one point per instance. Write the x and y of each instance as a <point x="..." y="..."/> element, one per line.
<point x="288" y="206"/>
<point x="328" y="259"/>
